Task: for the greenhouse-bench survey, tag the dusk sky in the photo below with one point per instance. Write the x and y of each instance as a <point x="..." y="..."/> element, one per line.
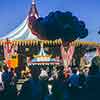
<point x="13" y="13"/>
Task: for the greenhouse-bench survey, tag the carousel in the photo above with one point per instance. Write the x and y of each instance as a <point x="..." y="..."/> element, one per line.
<point x="42" y="58"/>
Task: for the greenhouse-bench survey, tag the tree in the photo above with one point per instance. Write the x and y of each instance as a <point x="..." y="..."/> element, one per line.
<point x="79" y="53"/>
<point x="60" y="25"/>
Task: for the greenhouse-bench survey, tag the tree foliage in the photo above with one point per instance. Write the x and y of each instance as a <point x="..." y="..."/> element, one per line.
<point x="60" y="25"/>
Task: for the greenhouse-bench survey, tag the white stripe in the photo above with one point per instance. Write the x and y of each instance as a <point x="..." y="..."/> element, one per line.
<point x="22" y="32"/>
<point x="31" y="36"/>
<point x="36" y="16"/>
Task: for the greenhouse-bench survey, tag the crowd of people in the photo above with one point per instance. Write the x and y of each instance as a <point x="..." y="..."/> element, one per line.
<point x="51" y="83"/>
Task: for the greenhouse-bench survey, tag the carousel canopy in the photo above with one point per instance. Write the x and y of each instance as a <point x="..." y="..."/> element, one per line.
<point x="23" y="32"/>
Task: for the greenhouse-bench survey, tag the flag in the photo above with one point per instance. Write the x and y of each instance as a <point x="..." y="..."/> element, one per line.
<point x="97" y="51"/>
<point x="67" y="56"/>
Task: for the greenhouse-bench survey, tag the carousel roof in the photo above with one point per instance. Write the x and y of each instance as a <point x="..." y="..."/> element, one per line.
<point x="23" y="32"/>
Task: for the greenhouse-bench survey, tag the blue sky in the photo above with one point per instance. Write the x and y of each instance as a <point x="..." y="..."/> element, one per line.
<point x="13" y="12"/>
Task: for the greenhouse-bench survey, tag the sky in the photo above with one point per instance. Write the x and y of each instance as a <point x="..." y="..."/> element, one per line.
<point x="13" y="13"/>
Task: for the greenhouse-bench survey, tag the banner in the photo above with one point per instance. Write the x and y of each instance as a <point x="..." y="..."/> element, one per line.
<point x="10" y="54"/>
<point x="67" y="56"/>
<point x="7" y="50"/>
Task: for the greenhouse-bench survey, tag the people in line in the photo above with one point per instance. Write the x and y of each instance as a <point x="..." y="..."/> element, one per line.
<point x="80" y="84"/>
